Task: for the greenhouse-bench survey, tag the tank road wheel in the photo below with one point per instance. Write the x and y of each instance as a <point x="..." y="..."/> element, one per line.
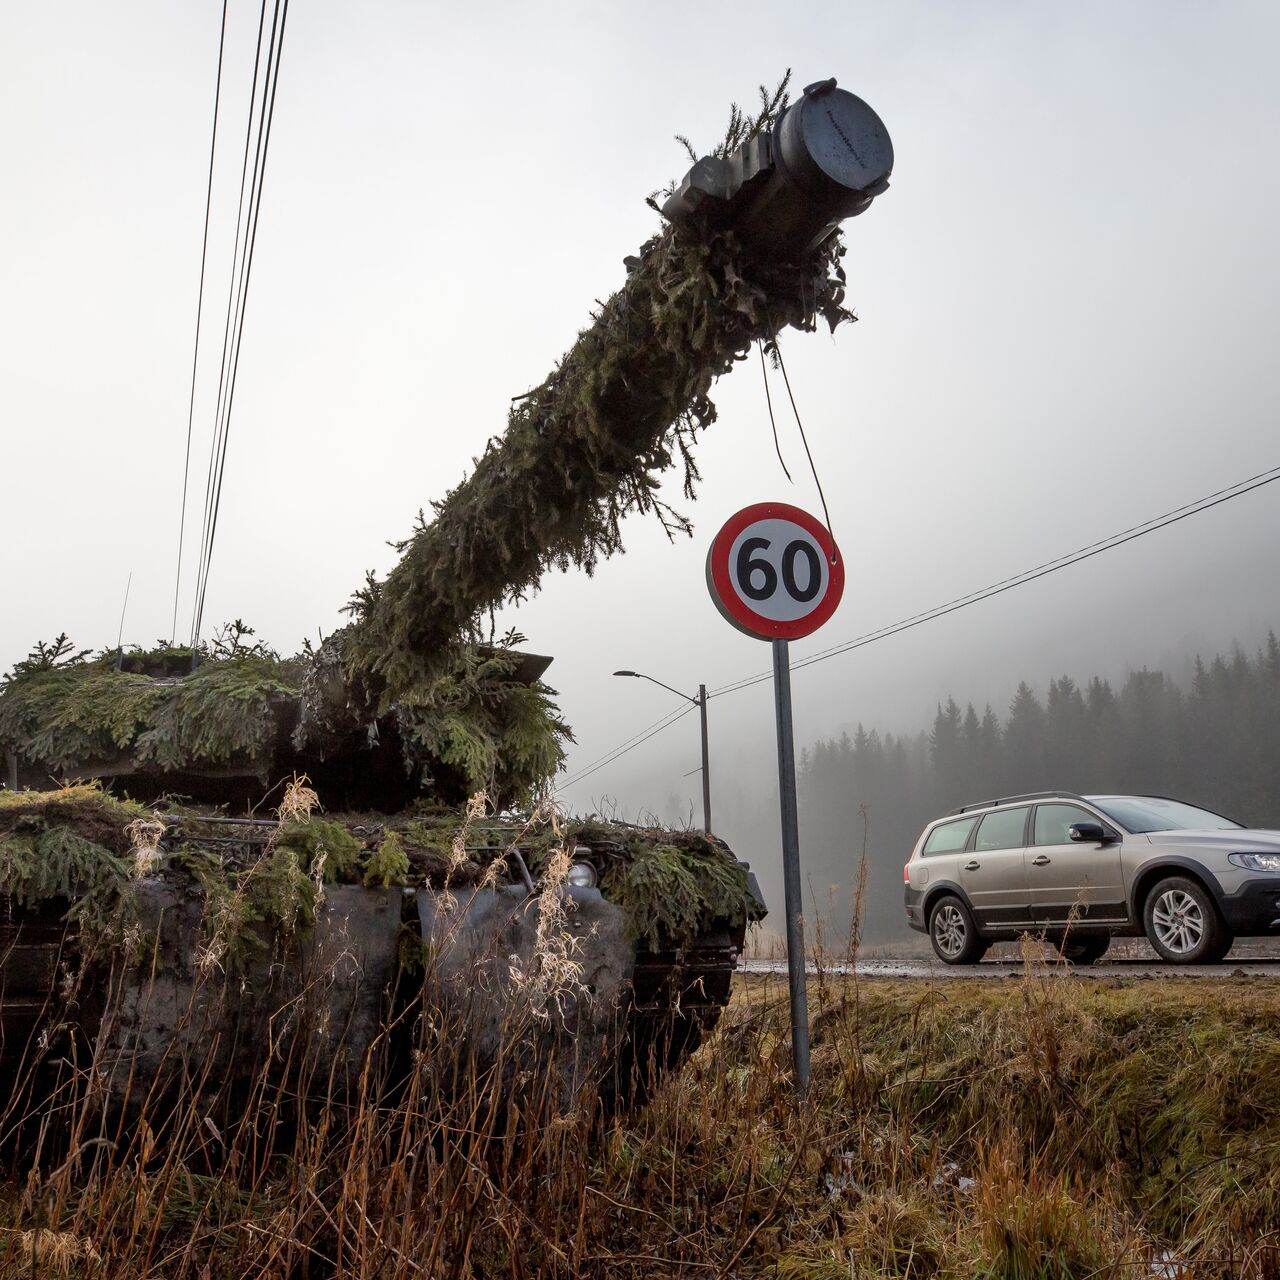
<point x="953" y="932"/>
<point x="1082" y="948"/>
<point x="1183" y="924"/>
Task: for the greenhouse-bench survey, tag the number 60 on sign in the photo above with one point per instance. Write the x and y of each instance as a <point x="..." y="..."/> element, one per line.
<point x="774" y="572"/>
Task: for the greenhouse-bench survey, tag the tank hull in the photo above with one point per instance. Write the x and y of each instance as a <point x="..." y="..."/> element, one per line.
<point x="472" y="987"/>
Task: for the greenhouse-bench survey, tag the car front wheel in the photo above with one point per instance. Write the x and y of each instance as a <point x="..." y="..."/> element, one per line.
<point x="1183" y="924"/>
<point x="953" y="932"/>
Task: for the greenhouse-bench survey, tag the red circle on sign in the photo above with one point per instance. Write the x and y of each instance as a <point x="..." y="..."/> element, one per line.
<point x="786" y="611"/>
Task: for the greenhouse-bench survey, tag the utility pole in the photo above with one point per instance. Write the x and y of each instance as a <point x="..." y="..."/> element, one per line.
<point x="701" y="703"/>
<point x="706" y="764"/>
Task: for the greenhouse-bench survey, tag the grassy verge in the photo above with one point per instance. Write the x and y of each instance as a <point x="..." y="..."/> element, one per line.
<point x="1033" y="1127"/>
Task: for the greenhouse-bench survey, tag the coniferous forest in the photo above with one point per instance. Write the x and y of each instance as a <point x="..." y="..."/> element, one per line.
<point x="1213" y="740"/>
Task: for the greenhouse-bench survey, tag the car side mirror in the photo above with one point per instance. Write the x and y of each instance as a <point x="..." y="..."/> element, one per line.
<point x="1090" y="833"/>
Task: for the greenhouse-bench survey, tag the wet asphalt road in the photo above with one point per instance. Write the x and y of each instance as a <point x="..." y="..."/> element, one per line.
<point x="930" y="970"/>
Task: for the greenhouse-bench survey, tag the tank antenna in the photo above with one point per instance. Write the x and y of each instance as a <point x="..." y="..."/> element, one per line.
<point x="120" y="633"/>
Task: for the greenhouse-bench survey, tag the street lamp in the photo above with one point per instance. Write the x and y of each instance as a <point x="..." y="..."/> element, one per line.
<point x="701" y="703"/>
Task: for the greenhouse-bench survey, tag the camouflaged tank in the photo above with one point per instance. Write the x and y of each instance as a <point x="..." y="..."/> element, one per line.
<point x="188" y="893"/>
<point x="229" y="863"/>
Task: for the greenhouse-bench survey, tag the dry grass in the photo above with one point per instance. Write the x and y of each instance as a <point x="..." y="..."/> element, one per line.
<point x="1035" y="1127"/>
<point x="298" y="802"/>
<point x="144" y="836"/>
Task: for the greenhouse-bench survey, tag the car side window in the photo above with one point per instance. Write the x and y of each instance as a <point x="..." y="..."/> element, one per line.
<point x="950" y="837"/>
<point x="1005" y="829"/>
<point x="1053" y="822"/>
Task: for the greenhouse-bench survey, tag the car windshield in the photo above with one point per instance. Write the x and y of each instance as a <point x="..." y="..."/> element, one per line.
<point x="1150" y="813"/>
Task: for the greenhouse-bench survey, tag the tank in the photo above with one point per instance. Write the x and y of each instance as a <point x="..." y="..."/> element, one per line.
<point x="221" y="864"/>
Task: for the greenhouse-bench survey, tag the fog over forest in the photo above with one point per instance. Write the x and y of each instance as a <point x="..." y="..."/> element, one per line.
<point x="1205" y="728"/>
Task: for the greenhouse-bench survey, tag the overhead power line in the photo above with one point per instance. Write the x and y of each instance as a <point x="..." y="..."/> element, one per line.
<point x="1021" y="579"/>
<point x="1119" y="539"/>
<point x="631" y="743"/>
<point x="227" y="325"/>
<point x="195" y="354"/>
<point x="247" y="216"/>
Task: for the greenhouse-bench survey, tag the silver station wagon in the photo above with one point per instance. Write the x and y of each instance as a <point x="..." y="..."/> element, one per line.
<point x="1084" y="869"/>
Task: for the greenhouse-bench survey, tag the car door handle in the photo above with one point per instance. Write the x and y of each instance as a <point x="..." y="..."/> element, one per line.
<point x="1041" y="861"/>
<point x="972" y="866"/>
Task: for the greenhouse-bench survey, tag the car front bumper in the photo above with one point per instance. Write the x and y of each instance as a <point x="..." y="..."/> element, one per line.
<point x="1254" y="909"/>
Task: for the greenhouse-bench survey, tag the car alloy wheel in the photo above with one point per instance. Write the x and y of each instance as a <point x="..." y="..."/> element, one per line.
<point x="1178" y="921"/>
<point x="949" y="930"/>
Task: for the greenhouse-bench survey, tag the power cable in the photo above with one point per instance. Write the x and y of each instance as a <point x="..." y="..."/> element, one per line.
<point x="1030" y="575"/>
<point x="634" y="741"/>
<point x="247" y="264"/>
<point x="630" y="745"/>
<point x="1184" y="512"/>
<point x="227" y="322"/>
<point x="195" y="354"/>
<point x="271" y="81"/>
<point x="266" y="115"/>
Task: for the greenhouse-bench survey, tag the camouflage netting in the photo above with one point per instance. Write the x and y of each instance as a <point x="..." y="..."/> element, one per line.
<point x="68" y="844"/>
<point x="68" y="711"/>
<point x="83" y="845"/>
<point x="589" y="445"/>
<point x="473" y="726"/>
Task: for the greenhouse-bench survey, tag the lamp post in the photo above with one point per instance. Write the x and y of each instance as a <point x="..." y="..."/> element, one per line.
<point x="701" y="703"/>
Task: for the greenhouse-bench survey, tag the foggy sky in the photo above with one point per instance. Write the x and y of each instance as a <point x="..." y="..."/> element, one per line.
<point x="1067" y="326"/>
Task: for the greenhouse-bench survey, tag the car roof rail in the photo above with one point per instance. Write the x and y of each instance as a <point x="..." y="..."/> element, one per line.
<point x="1028" y="795"/>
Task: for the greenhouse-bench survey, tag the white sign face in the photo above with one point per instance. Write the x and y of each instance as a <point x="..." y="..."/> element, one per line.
<point x="774" y="572"/>
<point x="778" y="570"/>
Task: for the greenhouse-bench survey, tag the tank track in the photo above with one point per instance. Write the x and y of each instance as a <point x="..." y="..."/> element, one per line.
<point x="673" y="998"/>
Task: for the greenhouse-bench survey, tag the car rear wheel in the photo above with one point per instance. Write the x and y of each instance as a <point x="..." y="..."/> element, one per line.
<point x="1081" y="948"/>
<point x="1183" y="924"/>
<point x="953" y="932"/>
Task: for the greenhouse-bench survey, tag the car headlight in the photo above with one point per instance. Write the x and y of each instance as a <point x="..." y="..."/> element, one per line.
<point x="1256" y="861"/>
<point x="582" y="875"/>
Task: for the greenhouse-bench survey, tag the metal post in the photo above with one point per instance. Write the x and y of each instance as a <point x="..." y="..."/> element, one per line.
<point x="706" y="767"/>
<point x="793" y="900"/>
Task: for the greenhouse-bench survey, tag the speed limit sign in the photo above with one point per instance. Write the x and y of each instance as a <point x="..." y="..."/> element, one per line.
<point x="774" y="572"/>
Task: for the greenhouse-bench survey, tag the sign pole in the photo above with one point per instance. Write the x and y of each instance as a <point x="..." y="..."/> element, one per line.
<point x="794" y="903"/>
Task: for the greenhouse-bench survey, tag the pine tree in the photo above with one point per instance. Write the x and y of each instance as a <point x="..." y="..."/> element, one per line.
<point x="946" y="754"/>
<point x="991" y="761"/>
<point x="1024" y="743"/>
<point x="1067" y="754"/>
<point x="971" y="752"/>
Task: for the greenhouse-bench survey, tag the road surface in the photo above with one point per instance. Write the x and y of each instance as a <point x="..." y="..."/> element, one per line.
<point x="932" y="970"/>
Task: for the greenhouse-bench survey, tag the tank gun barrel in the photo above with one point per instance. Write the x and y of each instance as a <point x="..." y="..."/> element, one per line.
<point x="751" y="245"/>
<point x="786" y="190"/>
